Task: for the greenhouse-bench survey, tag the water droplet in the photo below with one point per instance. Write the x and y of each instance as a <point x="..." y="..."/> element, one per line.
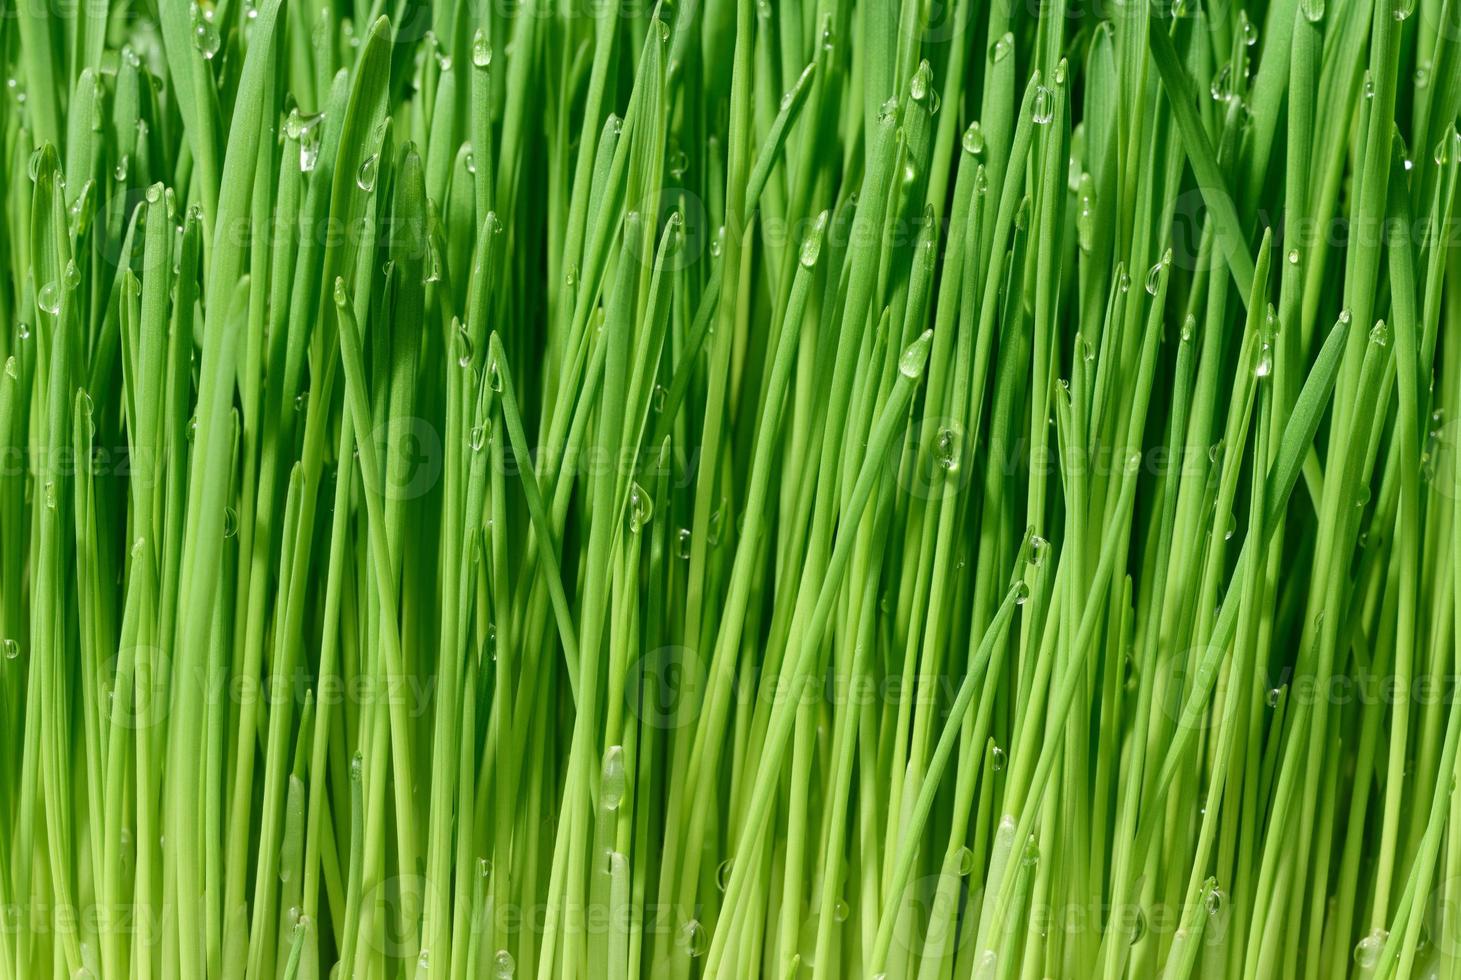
<point x="1263" y="365"/>
<point x="503" y="965"/>
<point x="484" y="867"/>
<point x="481" y="50"/>
<point x="1123" y="281"/>
<point x="120" y="171"/>
<point x="205" y="34"/>
<point x="996" y="757"/>
<point x="49" y="298"/>
<point x="1021" y="592"/>
<point x="1219" y="87"/>
<point x="1274" y="697"/>
<point x="1361" y="495"/>
<point x="717" y="242"/>
<point x="1085" y="218"/>
<point x="494" y="375"/>
<point x="464" y="346"/>
<point x="1232" y="527"/>
<point x="1369" y="86"/>
<point x="717" y="521"/>
<point x="1313" y="10"/>
<point x="641" y="507"/>
<point x="612" y="784"/>
<point x="1380" y="334"/>
<point x="1039" y="548"/>
<point x="918" y="88"/>
<point x="357" y="766"/>
<point x="230" y="522"/>
<point x="478" y="438"/>
<point x="946" y="447"/>
<point x="888" y="110"/>
<point x="910" y="365"/>
<point x="423" y="961"/>
<point x="1138" y="925"/>
<point x="692" y="939"/>
<point x="1002" y="48"/>
<point x="811" y="248"/>
<point x="11" y="648"/>
<point x="293" y="124"/>
<point x="1043" y="108"/>
<point x="1442" y="152"/>
<point x="1403" y="9"/>
<point x="1154" y="274"/>
<point x="973" y="140"/>
<point x="307" y="130"/>
<point x="1423" y="74"/>
<point x="1250" y="33"/>
<point x="1367" y="952"/>
<point x="1030" y="856"/>
<point x="365" y="176"/>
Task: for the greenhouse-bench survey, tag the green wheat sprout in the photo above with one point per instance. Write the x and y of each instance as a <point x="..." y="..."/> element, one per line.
<point x="730" y="489"/>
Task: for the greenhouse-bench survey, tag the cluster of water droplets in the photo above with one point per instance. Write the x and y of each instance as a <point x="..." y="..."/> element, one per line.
<point x="206" y="38"/>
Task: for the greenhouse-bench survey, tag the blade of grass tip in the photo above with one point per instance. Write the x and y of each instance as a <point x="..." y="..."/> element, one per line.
<point x="1200" y="155"/>
<point x="786" y="116"/>
<point x="1266" y="96"/>
<point x="37" y="57"/>
<point x="548" y="549"/>
<point x="189" y="43"/>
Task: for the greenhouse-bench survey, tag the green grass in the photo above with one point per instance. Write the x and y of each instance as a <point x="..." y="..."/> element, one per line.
<point x="730" y="489"/>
